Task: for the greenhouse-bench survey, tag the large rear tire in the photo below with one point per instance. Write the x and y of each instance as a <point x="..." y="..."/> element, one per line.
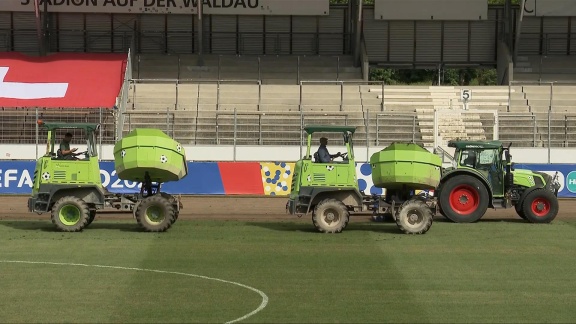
<point x="70" y="214"/>
<point x="330" y="216"/>
<point x="414" y="217"/>
<point x="91" y="217"/>
<point x="464" y="199"/>
<point x="155" y="214"/>
<point x="540" y="206"/>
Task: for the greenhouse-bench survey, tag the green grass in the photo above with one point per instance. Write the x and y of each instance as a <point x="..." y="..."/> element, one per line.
<point x="492" y="271"/>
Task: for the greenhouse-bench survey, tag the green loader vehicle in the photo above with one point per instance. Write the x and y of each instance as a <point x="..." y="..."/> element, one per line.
<point x="69" y="187"/>
<point x="481" y="176"/>
<point x="330" y="192"/>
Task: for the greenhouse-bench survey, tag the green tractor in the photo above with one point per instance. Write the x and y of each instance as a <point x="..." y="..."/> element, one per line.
<point x="483" y="175"/>
<point x="71" y="190"/>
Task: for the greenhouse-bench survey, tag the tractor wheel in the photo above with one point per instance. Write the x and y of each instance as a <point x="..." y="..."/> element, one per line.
<point x="438" y="193"/>
<point x="540" y="206"/>
<point x="519" y="209"/>
<point x="330" y="216"/>
<point x="464" y="199"/>
<point x="70" y="214"/>
<point x="441" y="211"/>
<point x="155" y="214"/>
<point x="91" y="217"/>
<point x="414" y="217"/>
<point x="176" y="214"/>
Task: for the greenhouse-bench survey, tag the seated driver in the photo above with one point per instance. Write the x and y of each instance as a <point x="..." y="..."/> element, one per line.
<point x="470" y="160"/>
<point x="65" y="152"/>
<point x="323" y="155"/>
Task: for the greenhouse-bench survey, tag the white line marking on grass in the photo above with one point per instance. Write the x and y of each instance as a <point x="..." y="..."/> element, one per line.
<point x="262" y="294"/>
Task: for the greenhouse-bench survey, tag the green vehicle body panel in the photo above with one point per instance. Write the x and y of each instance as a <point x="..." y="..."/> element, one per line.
<point x="151" y="151"/>
<point x="528" y="178"/>
<point x="66" y="172"/>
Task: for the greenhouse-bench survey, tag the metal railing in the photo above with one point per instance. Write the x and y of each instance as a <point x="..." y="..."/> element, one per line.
<point x="284" y="128"/>
<point x="235" y="128"/>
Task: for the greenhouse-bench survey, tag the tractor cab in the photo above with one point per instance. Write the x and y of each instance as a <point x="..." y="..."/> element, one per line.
<point x="487" y="158"/>
<point x="57" y="174"/>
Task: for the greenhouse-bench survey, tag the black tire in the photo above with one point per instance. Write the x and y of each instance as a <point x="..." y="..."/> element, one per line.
<point x="441" y="211"/>
<point x="70" y="214"/>
<point x="540" y="206"/>
<point x="91" y="217"/>
<point x="330" y="216"/>
<point x="464" y="199"/>
<point x="176" y="214"/>
<point x="519" y="209"/>
<point x="414" y="217"/>
<point x="155" y="214"/>
<point x="437" y="193"/>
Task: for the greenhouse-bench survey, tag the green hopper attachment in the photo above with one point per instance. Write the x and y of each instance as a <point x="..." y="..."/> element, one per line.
<point x="406" y="166"/>
<point x="146" y="151"/>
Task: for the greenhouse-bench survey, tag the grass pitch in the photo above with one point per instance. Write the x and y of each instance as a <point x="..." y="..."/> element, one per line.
<point x="491" y="271"/>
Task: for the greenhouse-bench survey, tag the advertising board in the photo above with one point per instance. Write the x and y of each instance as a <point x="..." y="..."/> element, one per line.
<point x="239" y="178"/>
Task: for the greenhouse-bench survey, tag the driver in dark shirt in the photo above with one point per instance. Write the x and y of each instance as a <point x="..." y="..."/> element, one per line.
<point x="65" y="152"/>
<point x="323" y="155"/>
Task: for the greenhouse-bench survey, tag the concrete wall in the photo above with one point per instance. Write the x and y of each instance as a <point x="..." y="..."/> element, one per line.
<point x="282" y="153"/>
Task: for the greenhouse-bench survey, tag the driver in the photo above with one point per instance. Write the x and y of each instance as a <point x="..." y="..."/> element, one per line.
<point x="323" y="155"/>
<point x="65" y="152"/>
<point x="470" y="160"/>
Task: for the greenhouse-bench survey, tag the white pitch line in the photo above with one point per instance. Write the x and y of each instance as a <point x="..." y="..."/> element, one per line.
<point x="262" y="294"/>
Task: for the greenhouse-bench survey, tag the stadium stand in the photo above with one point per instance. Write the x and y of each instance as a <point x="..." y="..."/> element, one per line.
<point x="258" y="85"/>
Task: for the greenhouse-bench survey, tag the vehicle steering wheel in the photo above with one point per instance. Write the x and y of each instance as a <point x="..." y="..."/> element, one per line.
<point x="80" y="153"/>
<point x="344" y="156"/>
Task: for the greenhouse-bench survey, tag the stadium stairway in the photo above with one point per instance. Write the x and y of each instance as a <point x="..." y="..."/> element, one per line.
<point x="453" y="121"/>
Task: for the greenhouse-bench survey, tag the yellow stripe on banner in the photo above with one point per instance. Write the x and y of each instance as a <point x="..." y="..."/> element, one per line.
<point x="276" y="178"/>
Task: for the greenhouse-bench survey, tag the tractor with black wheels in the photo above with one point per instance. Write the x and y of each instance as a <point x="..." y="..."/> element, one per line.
<point x="329" y="191"/>
<point x="483" y="176"/>
<point x="68" y="185"/>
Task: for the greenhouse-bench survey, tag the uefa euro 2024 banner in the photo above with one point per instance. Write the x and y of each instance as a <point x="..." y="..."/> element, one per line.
<point x="237" y="178"/>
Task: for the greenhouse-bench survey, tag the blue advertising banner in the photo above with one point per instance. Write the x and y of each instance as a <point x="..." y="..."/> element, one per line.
<point x="203" y="178"/>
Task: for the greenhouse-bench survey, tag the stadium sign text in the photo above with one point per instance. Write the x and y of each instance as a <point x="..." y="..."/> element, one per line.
<point x="149" y="3"/>
<point x="232" y="7"/>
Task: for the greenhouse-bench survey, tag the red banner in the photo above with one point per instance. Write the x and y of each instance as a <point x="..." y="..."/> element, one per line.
<point x="63" y="80"/>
